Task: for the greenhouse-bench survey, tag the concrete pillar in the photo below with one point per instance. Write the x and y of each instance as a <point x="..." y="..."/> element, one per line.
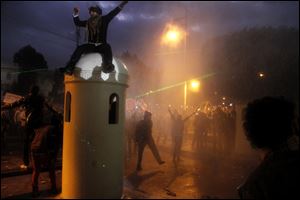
<point x="94" y="130"/>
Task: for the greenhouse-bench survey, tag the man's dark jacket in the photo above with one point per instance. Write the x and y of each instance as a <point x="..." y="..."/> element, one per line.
<point x="101" y="38"/>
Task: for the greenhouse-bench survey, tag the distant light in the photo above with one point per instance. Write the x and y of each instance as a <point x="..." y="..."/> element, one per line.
<point x="223" y="103"/>
<point x="261" y="74"/>
<point x="224" y="98"/>
<point x="172" y="35"/>
<point x="195" y="85"/>
<point x="230" y="104"/>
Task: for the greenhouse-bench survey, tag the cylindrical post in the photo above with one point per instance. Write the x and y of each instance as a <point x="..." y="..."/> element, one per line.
<point x="93" y="135"/>
<point x="185" y="95"/>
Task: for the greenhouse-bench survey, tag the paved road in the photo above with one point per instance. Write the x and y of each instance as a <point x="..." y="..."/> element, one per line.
<point x="198" y="175"/>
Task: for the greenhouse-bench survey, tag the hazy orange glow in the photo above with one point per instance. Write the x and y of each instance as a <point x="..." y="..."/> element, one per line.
<point x="195" y="85"/>
<point x="172" y="35"/>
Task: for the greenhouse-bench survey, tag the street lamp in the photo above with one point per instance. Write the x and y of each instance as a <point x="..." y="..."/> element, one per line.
<point x="194" y="86"/>
<point x="261" y="75"/>
<point x="172" y="36"/>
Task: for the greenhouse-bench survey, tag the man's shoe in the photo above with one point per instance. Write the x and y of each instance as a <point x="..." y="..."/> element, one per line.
<point x="107" y="68"/>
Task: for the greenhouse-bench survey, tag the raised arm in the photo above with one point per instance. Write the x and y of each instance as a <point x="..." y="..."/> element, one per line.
<point x="172" y="115"/>
<point x="115" y="11"/>
<point x="76" y="19"/>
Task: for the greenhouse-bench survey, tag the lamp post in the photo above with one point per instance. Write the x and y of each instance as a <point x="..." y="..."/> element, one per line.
<point x="173" y="35"/>
<point x="185" y="95"/>
<point x="194" y="86"/>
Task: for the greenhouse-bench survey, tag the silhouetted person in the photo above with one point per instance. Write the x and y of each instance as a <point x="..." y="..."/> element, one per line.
<point x="231" y="130"/>
<point x="44" y="150"/>
<point x="97" y="26"/>
<point x="33" y="103"/>
<point x="5" y="124"/>
<point x="162" y="129"/>
<point x="201" y="127"/>
<point x="269" y="126"/>
<point x="220" y="129"/>
<point x="143" y="137"/>
<point x="177" y="133"/>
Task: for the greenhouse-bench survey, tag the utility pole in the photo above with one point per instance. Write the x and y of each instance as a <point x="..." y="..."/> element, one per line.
<point x="185" y="57"/>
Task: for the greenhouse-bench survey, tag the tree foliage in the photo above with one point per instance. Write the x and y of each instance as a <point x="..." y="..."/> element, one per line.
<point x="29" y="61"/>
<point x="237" y="58"/>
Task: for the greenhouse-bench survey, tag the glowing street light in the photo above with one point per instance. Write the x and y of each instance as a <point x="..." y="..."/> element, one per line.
<point x="195" y="85"/>
<point x="261" y="75"/>
<point x="173" y="35"/>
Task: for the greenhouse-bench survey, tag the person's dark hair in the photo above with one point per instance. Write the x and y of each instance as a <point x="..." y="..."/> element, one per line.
<point x="96" y="9"/>
<point x="269" y="122"/>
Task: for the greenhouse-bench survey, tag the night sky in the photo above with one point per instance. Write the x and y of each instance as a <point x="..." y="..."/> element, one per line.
<point x="49" y="28"/>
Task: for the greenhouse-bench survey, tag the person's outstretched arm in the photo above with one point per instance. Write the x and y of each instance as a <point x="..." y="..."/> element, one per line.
<point x="76" y="19"/>
<point x="115" y="11"/>
<point x="172" y="115"/>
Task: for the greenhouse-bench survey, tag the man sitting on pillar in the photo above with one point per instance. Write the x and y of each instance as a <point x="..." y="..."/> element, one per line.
<point x="97" y="30"/>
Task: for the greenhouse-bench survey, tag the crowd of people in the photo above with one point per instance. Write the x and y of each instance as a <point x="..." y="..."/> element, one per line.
<point x="207" y="128"/>
<point x="270" y="125"/>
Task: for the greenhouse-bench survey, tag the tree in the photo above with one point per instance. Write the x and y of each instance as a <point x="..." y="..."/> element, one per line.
<point x="238" y="57"/>
<point x="28" y="60"/>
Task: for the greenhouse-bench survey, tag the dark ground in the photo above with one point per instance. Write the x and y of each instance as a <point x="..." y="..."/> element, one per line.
<point x="198" y="175"/>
